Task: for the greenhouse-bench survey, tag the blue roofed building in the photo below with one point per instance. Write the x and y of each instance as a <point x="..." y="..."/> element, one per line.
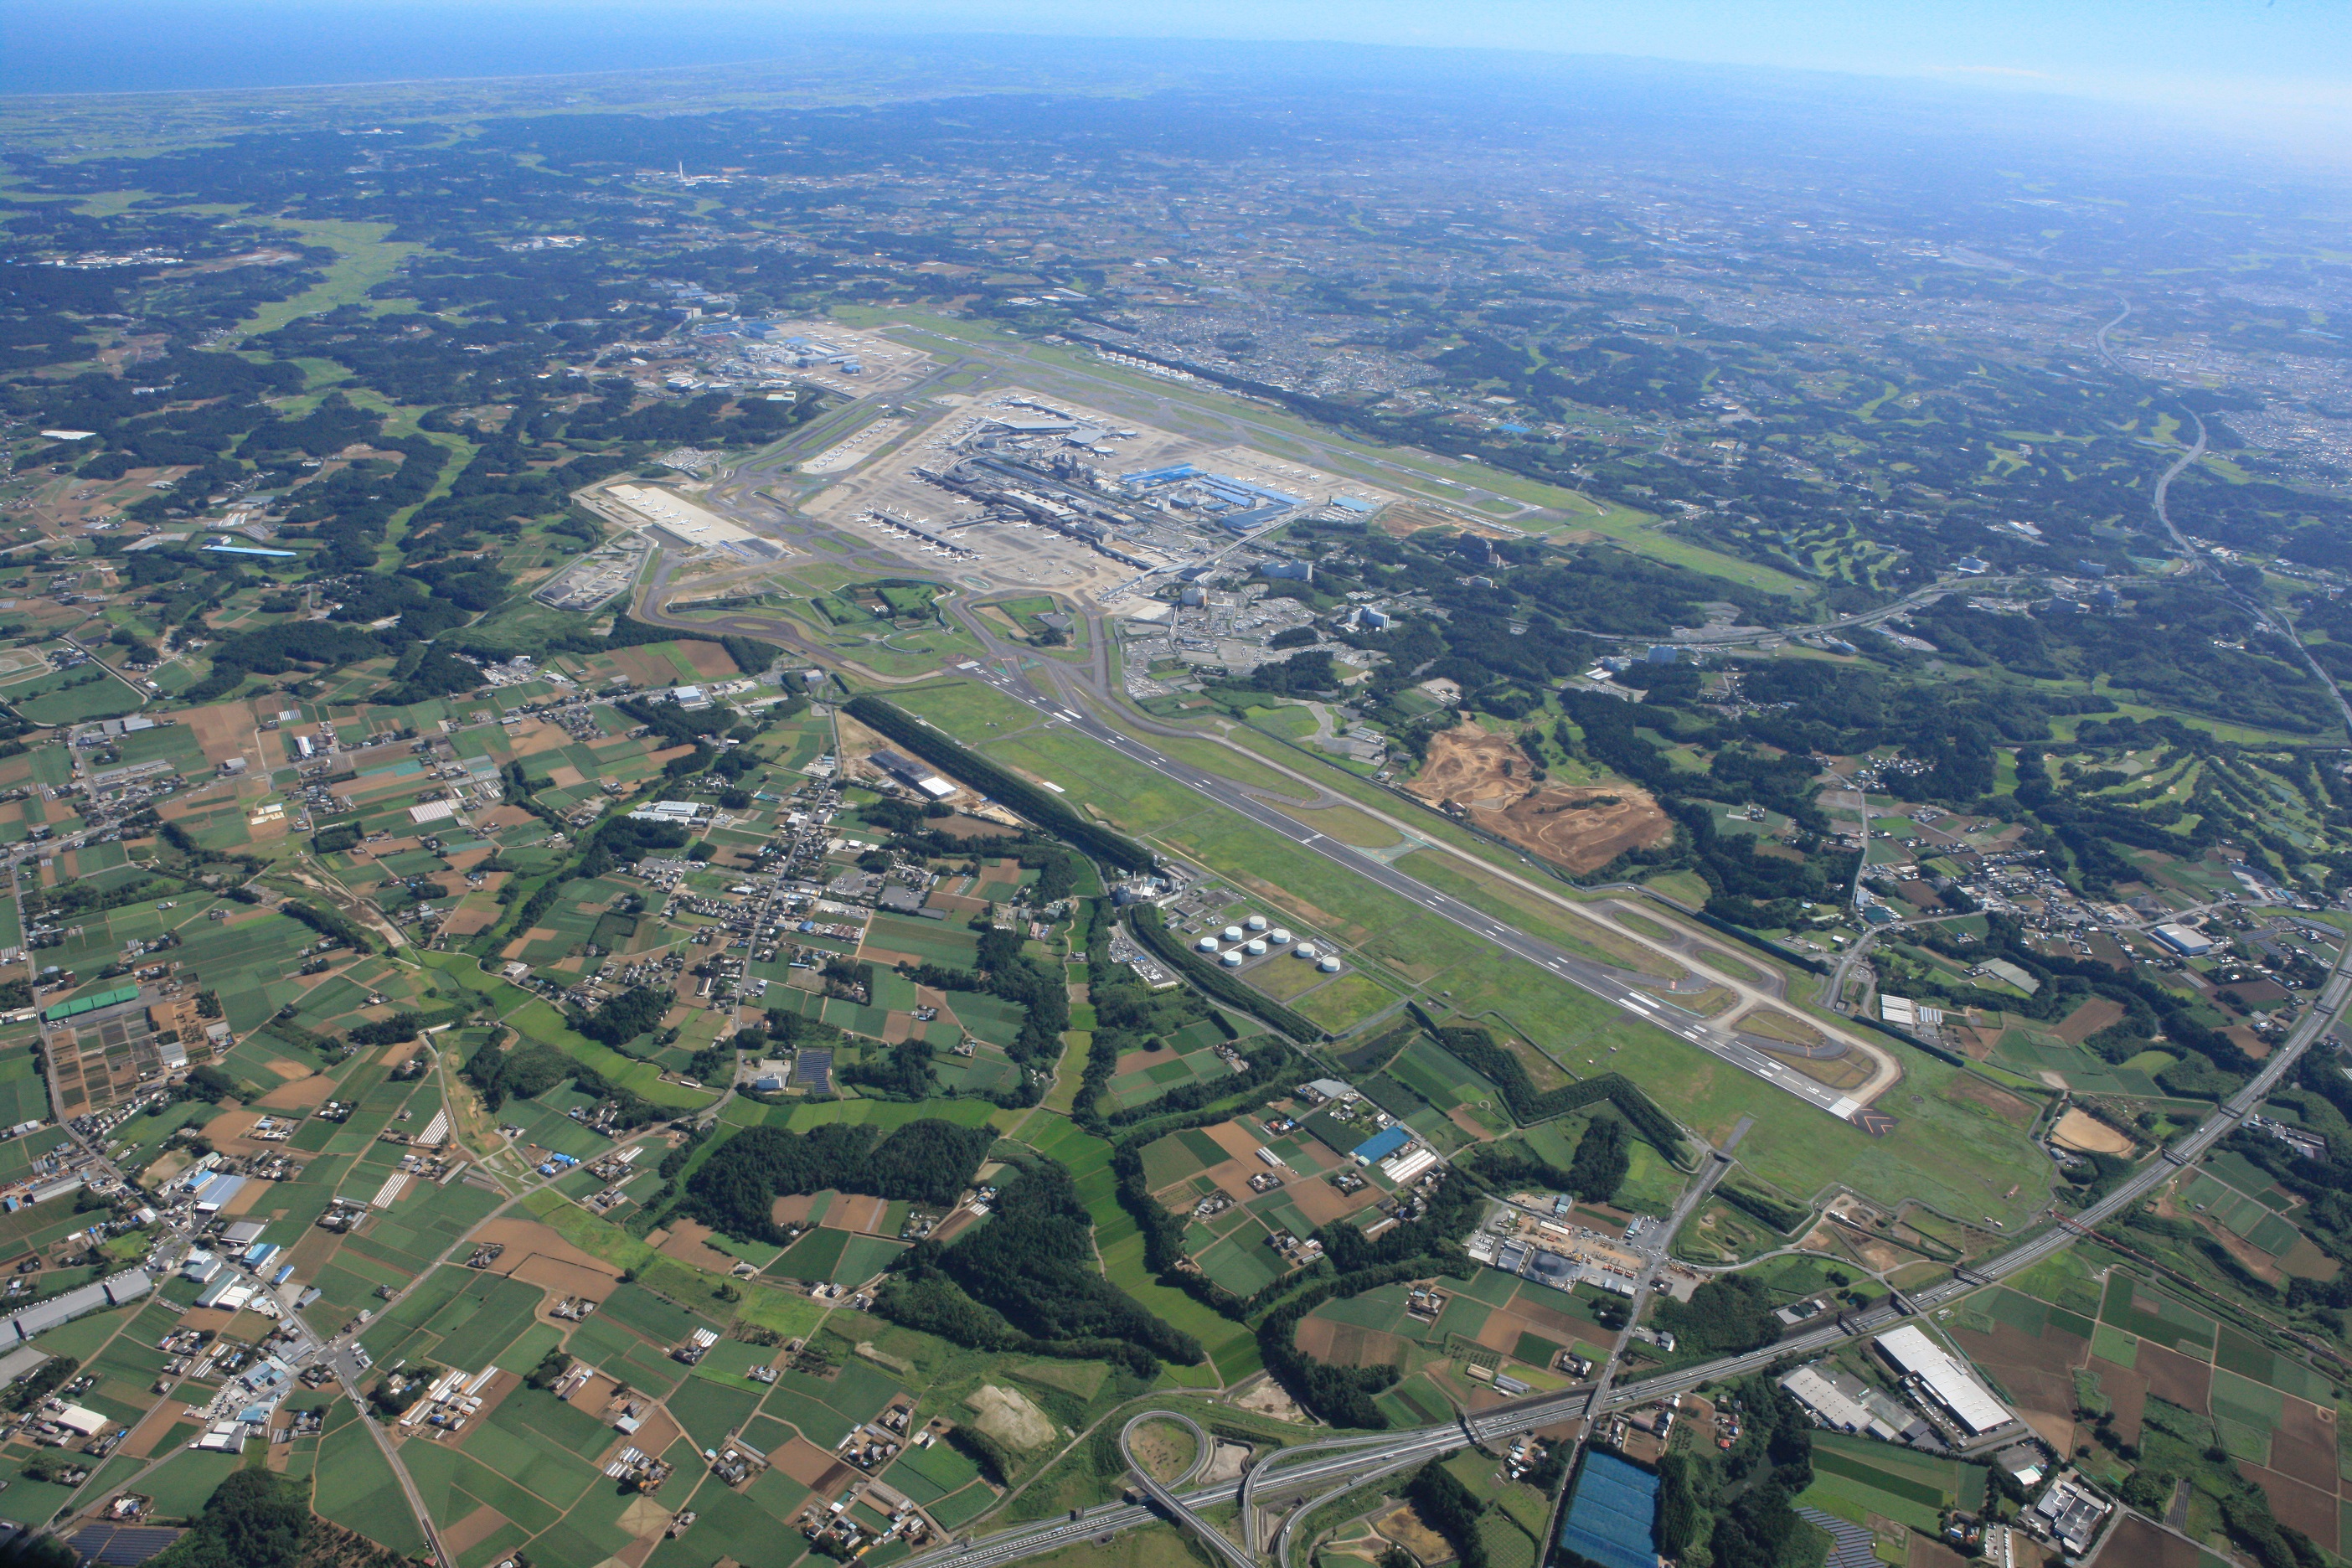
<point x="1255" y="517"/>
<point x="1381" y="1145"/>
<point x="1609" y="1518"/>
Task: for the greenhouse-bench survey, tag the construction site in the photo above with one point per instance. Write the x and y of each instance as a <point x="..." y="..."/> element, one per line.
<point x="1485" y="779"/>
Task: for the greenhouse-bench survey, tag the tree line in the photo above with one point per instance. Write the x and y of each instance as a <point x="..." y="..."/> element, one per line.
<point x="926" y="1162"/>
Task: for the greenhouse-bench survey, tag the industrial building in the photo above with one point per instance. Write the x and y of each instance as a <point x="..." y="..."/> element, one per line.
<point x="682" y="524"/>
<point x="1236" y="503"/>
<point x="2188" y="944"/>
<point x="81" y="1004"/>
<point x="2072" y="1513"/>
<point x="126" y="1287"/>
<point x="596" y="579"/>
<point x="1943" y="1380"/>
<point x="677" y="813"/>
<point x="1843" y="1403"/>
<point x="913" y="774"/>
<point x="212" y="1191"/>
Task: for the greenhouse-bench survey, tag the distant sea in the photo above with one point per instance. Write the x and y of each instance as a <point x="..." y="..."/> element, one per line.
<point x="163" y="46"/>
<point x="832" y="50"/>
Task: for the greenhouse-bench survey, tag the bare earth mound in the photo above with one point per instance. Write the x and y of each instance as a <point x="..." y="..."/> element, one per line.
<point x="1492" y="781"/>
<point x="1406" y="1529"/>
<point x="1008" y="1417"/>
<point x="2078" y="1130"/>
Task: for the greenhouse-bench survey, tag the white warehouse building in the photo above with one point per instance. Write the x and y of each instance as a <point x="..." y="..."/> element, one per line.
<point x="1943" y="1379"/>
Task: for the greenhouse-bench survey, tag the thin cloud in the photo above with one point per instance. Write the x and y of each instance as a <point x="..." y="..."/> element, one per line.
<point x="1990" y="71"/>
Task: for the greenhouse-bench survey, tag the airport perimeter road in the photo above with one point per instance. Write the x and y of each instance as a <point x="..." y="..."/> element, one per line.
<point x="1595" y="978"/>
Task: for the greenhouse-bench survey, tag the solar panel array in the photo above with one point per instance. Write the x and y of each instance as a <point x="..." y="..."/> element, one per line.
<point x="1609" y="1518"/>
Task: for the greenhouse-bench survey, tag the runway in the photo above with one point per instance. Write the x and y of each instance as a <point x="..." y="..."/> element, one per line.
<point x="1582" y="973"/>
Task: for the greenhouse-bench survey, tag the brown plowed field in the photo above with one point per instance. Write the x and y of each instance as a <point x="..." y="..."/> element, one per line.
<point x="2297" y="1506"/>
<point x="595" y="1393"/>
<point x="142" y="1438"/>
<point x="593" y="1281"/>
<point x="2038" y="1369"/>
<point x="2173" y="1377"/>
<point x="538" y="1255"/>
<point x="685" y="1241"/>
<point x="2143" y="1545"/>
<point x="2088" y="1019"/>
<point x="1322" y="1203"/>
<point x="1491" y="779"/>
<point x="851" y="1211"/>
<point x="302" y="1094"/>
<point x="2126" y="1391"/>
<point x="224" y="731"/>
<point x="473" y="1530"/>
<point x="1234" y="1140"/>
<point x="1344" y="1344"/>
<point x="2303" y="1444"/>
<point x="802" y="1460"/>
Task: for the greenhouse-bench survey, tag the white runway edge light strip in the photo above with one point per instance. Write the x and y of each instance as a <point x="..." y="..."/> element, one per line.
<point x="393" y="1186"/>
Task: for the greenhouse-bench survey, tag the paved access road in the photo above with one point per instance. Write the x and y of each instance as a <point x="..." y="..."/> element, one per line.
<point x="1164" y="1498"/>
<point x="1598" y="979"/>
<point x="1337" y="1465"/>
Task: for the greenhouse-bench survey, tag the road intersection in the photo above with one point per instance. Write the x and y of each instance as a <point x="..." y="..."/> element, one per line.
<point x="1342" y="1465"/>
<point x="1324" y="1470"/>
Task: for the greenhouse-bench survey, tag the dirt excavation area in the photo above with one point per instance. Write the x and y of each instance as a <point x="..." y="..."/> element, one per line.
<point x="1579" y="827"/>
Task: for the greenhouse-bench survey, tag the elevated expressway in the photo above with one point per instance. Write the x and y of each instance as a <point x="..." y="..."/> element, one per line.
<point x="1327" y="1469"/>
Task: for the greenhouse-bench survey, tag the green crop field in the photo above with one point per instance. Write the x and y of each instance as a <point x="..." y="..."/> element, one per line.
<point x="2132" y="1307"/>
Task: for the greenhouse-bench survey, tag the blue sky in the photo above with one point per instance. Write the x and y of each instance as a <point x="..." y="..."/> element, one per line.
<point x="2238" y="64"/>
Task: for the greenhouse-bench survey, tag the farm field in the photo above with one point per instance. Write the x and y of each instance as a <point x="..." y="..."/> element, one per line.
<point x="565" y="854"/>
<point x="1792" y="1143"/>
<point x="2133" y="1359"/>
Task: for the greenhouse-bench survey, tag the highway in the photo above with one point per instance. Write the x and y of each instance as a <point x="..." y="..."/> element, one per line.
<point x="1324" y="1470"/>
<point x="1337" y="1465"/>
<point x="1165" y="1500"/>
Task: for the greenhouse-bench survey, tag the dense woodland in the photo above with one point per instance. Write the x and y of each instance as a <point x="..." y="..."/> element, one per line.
<point x="926" y="1162"/>
<point x="1736" y="1506"/>
<point x="482" y="384"/>
<point x="1032" y="1266"/>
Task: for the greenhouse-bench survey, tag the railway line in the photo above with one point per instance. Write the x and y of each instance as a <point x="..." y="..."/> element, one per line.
<point x="1325" y="1469"/>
